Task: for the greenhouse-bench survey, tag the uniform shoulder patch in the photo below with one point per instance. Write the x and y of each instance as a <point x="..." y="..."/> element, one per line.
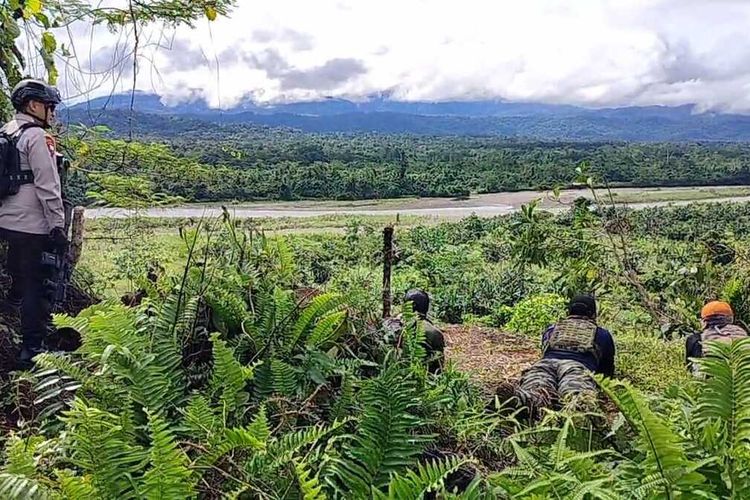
<point x="51" y="145"/>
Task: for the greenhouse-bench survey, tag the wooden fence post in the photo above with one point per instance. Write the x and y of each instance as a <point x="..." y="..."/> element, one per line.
<point x="387" y="265"/>
<point x="76" y="235"/>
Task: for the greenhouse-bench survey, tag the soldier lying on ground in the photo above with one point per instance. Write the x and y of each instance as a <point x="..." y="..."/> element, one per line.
<point x="717" y="322"/>
<point x="572" y="349"/>
<point x="434" y="340"/>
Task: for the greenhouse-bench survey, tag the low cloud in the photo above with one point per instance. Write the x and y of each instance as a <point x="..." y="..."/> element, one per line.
<point x="589" y="52"/>
<point x="325" y="77"/>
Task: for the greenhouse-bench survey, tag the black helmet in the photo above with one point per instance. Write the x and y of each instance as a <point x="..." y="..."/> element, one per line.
<point x="582" y="305"/>
<point x="419" y="299"/>
<point x="36" y="90"/>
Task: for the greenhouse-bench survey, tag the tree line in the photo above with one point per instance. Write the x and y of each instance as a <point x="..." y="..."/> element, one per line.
<point x="254" y="163"/>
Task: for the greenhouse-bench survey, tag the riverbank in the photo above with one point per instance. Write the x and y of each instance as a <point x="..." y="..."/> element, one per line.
<point x="482" y="205"/>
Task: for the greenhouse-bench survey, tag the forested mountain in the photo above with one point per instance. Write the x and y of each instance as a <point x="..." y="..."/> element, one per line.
<point x="473" y="118"/>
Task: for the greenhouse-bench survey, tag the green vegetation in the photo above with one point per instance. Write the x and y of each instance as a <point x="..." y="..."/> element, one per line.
<point x="228" y="382"/>
<point x="215" y="164"/>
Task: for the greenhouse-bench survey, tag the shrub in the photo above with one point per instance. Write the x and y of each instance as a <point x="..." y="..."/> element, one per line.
<point x="650" y="363"/>
<point x="533" y="314"/>
<point x="362" y="287"/>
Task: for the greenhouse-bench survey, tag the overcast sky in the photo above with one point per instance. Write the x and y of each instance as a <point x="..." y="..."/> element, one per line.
<point x="589" y="52"/>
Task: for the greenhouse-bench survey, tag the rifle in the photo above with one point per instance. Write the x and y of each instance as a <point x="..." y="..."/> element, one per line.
<point x="58" y="268"/>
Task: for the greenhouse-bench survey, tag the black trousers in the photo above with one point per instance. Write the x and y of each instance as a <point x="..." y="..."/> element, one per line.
<point x="24" y="264"/>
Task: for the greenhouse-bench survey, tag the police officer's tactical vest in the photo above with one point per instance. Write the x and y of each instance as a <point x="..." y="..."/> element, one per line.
<point x="573" y="335"/>
<point x="726" y="333"/>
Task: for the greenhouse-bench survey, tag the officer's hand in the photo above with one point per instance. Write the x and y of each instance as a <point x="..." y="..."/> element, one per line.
<point x="59" y="240"/>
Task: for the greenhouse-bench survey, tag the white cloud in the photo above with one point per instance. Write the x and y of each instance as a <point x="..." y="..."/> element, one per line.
<point x="589" y="52"/>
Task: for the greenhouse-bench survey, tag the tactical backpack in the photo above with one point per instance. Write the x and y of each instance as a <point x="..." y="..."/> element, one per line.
<point x="726" y="333"/>
<point x="11" y="175"/>
<point x="573" y="335"/>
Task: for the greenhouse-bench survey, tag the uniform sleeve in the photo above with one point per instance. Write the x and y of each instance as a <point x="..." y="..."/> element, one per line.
<point x="608" y="351"/>
<point x="693" y="348"/>
<point x="434" y="337"/>
<point x="545" y="334"/>
<point x="41" y="153"/>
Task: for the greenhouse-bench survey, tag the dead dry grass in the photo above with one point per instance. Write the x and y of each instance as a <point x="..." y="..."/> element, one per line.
<point x="489" y="355"/>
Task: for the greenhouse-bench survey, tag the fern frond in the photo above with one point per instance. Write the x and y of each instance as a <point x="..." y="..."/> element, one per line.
<point x="345" y="400"/>
<point x="722" y="410"/>
<point x="664" y="449"/>
<point x="168" y="475"/>
<point x="102" y="447"/>
<point x="327" y="330"/>
<point x="253" y="438"/>
<point x="428" y="477"/>
<point x="75" y="487"/>
<point x="319" y="307"/>
<point x="19" y="455"/>
<point x="413" y="338"/>
<point x="284" y="378"/>
<point x="283" y="449"/>
<point x="199" y="419"/>
<point x="115" y="325"/>
<point x="309" y="484"/>
<point x="20" y="487"/>
<point x="229" y="377"/>
<point x="386" y="440"/>
<point x="260" y="427"/>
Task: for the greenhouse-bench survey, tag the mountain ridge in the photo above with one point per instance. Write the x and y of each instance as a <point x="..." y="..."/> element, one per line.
<point x="463" y="118"/>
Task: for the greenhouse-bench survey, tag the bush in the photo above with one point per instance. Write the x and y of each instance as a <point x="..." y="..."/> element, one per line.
<point x="533" y="314"/>
<point x="650" y="363"/>
<point x="362" y="287"/>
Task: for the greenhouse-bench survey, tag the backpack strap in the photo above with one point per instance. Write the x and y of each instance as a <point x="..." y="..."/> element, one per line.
<point x="23" y="176"/>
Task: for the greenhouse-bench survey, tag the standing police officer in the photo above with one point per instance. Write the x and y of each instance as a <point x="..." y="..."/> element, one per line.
<point x="32" y="221"/>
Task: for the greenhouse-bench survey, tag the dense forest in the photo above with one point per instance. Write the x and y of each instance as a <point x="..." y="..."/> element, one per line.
<point x="208" y="162"/>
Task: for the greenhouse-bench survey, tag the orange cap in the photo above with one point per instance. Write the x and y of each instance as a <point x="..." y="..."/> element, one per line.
<point x="716" y="308"/>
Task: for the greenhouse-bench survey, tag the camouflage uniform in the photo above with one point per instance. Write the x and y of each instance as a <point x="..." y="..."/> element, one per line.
<point x="718" y="328"/>
<point x="550" y="380"/>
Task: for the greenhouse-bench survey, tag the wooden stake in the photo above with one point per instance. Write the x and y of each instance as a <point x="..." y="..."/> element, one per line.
<point x="76" y="238"/>
<point x="387" y="265"/>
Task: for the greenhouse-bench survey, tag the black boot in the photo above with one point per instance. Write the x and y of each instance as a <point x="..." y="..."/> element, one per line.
<point x="26" y="358"/>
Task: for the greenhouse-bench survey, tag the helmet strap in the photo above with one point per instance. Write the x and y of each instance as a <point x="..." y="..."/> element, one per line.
<point x="44" y="119"/>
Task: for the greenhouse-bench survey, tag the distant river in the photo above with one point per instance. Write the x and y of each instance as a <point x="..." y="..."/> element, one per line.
<point x="488" y="205"/>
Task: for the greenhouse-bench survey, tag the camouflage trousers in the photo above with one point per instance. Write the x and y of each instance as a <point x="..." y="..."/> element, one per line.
<point x="556" y="381"/>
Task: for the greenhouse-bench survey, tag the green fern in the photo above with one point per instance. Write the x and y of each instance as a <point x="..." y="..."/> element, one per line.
<point x="173" y="325"/>
<point x="19" y="455"/>
<point x="260" y="427"/>
<point x="252" y="438"/>
<point x="317" y="309"/>
<point x="229" y="377"/>
<point x="426" y="478"/>
<point x="413" y="338"/>
<point x="199" y="419"/>
<point x="102" y="446"/>
<point x="387" y="438"/>
<point x="722" y="410"/>
<point x="20" y="487"/>
<point x="283" y="449"/>
<point x="73" y="487"/>
<point x="309" y="484"/>
<point x="327" y="330"/>
<point x="343" y="404"/>
<point x="19" y="478"/>
<point x="284" y="378"/>
<point x="168" y="475"/>
<point x="664" y="451"/>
